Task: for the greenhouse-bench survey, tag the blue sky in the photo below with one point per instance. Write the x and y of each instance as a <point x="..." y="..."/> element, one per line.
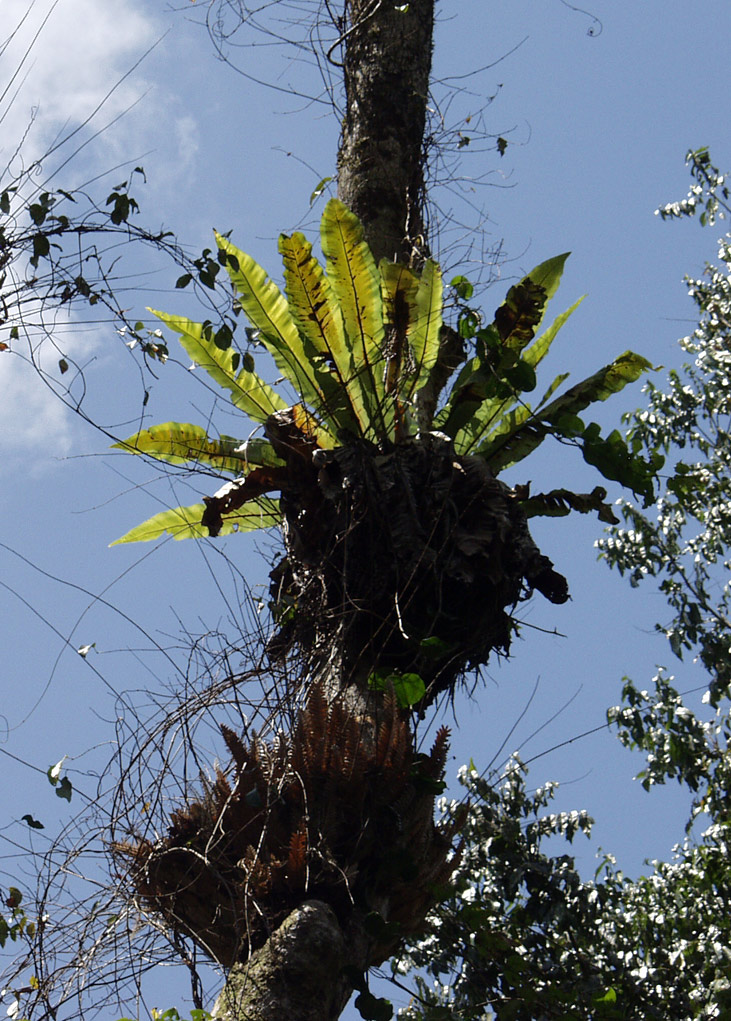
<point x="597" y="128"/>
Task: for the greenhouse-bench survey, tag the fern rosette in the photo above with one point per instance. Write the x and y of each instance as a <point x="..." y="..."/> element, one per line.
<point x="387" y="492"/>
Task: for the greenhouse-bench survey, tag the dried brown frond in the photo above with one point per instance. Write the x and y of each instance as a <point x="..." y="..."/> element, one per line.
<point x="394" y="744"/>
<point x="390" y="547"/>
<point x="312" y="736"/>
<point x="338" y="810"/>
<point x="436" y="761"/>
<point x="297" y="859"/>
<point x="237" y="748"/>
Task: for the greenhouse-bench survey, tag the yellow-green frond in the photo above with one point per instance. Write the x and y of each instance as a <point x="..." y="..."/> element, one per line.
<point x="248" y="391"/>
<point x="267" y="310"/>
<point x="317" y="314"/>
<point x="540" y="347"/>
<point x="185" y="443"/>
<point x="185" y="522"/>
<point x="355" y="282"/>
<point x="424" y="335"/>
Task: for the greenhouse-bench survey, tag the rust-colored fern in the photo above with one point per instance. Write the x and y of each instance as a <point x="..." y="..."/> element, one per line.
<point x="310" y="813"/>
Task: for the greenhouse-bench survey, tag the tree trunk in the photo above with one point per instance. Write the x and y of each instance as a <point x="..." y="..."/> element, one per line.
<point x="316" y="853"/>
<point x="297" y="974"/>
<point x="387" y="66"/>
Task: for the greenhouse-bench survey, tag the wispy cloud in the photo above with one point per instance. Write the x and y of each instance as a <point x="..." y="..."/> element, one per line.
<point x="67" y="71"/>
<point x="61" y="59"/>
<point x="34" y="424"/>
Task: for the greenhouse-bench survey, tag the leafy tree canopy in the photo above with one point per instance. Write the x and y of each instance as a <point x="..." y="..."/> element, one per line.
<point x="522" y="935"/>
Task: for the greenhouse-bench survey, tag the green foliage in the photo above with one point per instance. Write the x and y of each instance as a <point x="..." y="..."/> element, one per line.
<point x="486" y="413"/>
<point x="358" y="344"/>
<point x="247" y="391"/>
<point x="55" y="252"/>
<point x="708" y="196"/>
<point x="122" y="203"/>
<point x="522" y="935"/>
<point x="16" y="923"/>
<point x="683" y="544"/>
<point x="678" y="744"/>
<point x="409" y="689"/>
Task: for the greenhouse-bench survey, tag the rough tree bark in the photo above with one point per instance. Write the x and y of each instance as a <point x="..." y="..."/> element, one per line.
<point x="297" y="974"/>
<point x="386" y="67"/>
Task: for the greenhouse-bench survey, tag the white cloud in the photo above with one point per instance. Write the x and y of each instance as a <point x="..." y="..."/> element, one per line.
<point x="35" y="426"/>
<point x="59" y="59"/>
<point x="187" y="141"/>
<point x="65" y="57"/>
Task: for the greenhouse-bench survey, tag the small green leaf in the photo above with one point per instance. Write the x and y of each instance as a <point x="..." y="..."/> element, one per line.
<point x="463" y="287"/>
<point x="319" y="189"/>
<point x="123" y="206"/>
<point x="83" y="287"/>
<point x="63" y="365"/>
<point x="37" y="213"/>
<point x="41" y="247"/>
<point x="14" y="898"/>
<point x="468" y="324"/>
<point x="435" y="646"/>
<point x="609" y="997"/>
<point x="373" y="1008"/>
<point x="223" y="339"/>
<point x="64" y="789"/>
<point x="408" y="688"/>
<point x="33" y="823"/>
<point x="184" y="280"/>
